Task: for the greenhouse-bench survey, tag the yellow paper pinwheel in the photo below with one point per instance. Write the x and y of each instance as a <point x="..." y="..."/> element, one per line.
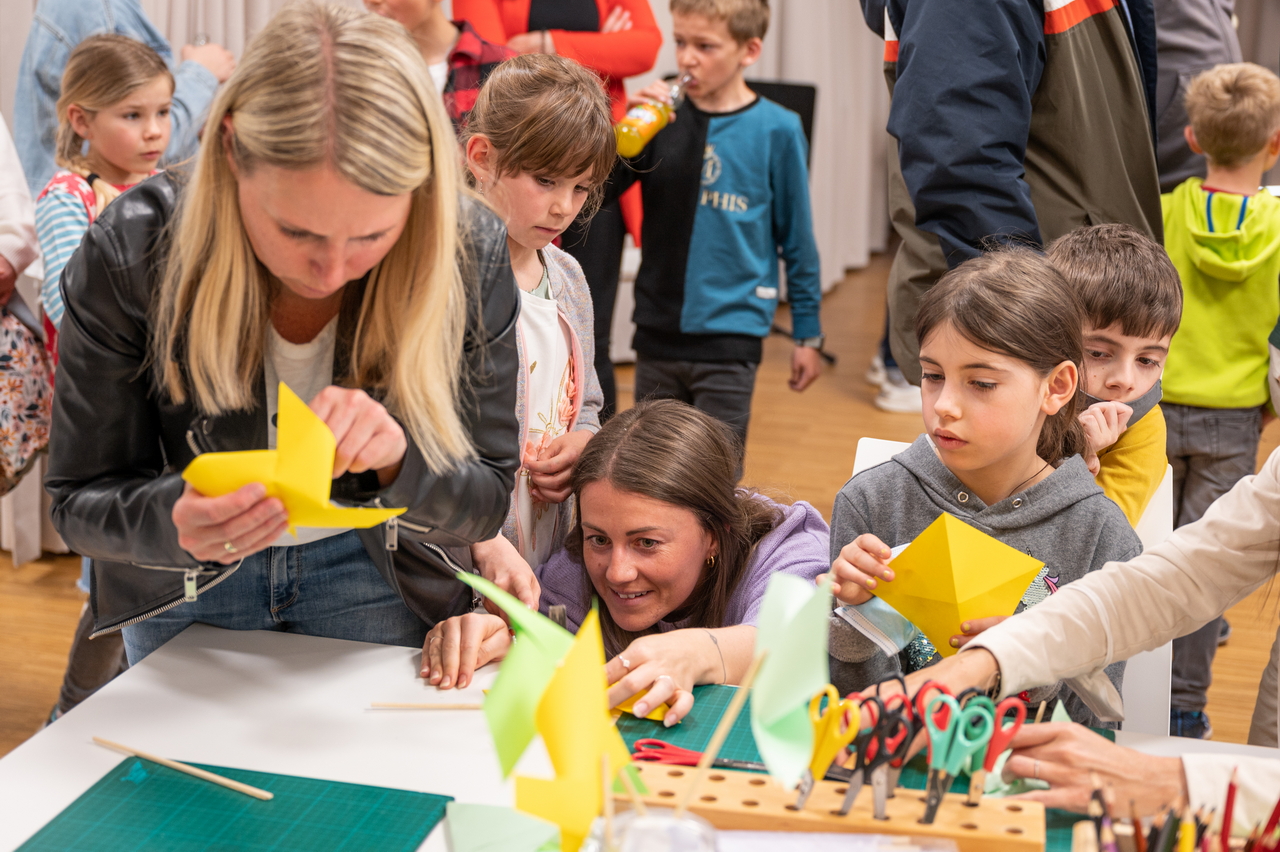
<point x="953" y="573"/>
<point x="299" y="471"/>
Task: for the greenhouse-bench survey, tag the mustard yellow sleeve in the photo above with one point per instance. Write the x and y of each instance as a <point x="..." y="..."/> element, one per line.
<point x="1132" y="468"/>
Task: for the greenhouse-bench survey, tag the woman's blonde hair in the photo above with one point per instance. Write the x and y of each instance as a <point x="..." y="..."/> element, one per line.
<point x="101" y="71"/>
<point x="325" y="85"/>
<point x="546" y="115"/>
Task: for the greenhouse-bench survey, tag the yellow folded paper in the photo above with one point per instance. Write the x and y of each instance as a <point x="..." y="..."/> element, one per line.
<point x="657" y="714"/>
<point x="953" y="573"/>
<point x="299" y="471"/>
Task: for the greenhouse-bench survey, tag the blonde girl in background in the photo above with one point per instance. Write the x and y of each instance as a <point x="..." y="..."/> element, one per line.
<point x="539" y="145"/>
<point x="113" y="127"/>
<point x="323" y="240"/>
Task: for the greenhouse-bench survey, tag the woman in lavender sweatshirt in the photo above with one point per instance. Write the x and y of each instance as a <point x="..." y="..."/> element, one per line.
<point x="678" y="554"/>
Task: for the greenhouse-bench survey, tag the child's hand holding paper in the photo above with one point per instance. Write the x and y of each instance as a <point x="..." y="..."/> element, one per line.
<point x="861" y="566"/>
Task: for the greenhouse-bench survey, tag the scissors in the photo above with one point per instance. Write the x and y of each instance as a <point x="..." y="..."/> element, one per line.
<point x="887" y="740"/>
<point x="834" y="728"/>
<point x="661" y="751"/>
<point x="918" y="704"/>
<point x="962" y="734"/>
<point x="1000" y="739"/>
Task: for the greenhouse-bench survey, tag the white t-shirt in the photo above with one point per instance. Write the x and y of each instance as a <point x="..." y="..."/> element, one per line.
<point x="439" y="74"/>
<point x="549" y="387"/>
<point x="307" y="368"/>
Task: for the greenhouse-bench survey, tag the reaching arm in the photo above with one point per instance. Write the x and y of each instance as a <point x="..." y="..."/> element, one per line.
<point x="961" y="113"/>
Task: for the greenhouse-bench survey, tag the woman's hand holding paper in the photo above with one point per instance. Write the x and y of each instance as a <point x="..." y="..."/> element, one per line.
<point x="368" y="437"/>
<point x="668" y="665"/>
<point x="457" y="646"/>
<point x="228" y="528"/>
<point x="862" y="564"/>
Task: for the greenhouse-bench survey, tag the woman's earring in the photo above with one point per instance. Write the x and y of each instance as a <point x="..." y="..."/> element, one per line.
<point x="711" y="561"/>
<point x="481" y="187"/>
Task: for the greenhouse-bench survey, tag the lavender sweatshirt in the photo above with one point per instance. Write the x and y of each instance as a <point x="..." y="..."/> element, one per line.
<point x="799" y="544"/>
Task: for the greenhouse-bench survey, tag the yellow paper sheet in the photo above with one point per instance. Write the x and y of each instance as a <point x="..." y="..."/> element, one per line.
<point x="657" y="714"/>
<point x="953" y="573"/>
<point x="574" y="721"/>
<point x="299" y="471"/>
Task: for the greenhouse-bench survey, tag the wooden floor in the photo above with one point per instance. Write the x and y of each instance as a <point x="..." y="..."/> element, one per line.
<point x="800" y="445"/>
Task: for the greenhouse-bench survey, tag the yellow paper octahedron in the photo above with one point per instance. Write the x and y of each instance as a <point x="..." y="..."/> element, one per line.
<point x="952" y="573"/>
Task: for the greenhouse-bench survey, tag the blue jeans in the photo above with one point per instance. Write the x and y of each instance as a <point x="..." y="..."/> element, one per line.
<point x="326" y="588"/>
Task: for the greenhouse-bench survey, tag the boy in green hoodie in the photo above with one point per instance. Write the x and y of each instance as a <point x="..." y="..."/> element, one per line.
<point x="1223" y="235"/>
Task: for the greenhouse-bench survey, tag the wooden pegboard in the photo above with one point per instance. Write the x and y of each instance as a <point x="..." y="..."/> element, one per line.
<point x="748" y="801"/>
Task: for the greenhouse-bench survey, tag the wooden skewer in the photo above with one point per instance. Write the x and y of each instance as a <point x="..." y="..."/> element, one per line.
<point x="190" y="770"/>
<point x="609" y="843"/>
<point x="395" y="705"/>
<point x="636" y="802"/>
<point x="721" y="734"/>
<point x="1040" y="712"/>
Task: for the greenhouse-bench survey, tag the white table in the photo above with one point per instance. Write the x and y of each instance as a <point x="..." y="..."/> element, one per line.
<point x="294" y="705"/>
<point x="271" y="702"/>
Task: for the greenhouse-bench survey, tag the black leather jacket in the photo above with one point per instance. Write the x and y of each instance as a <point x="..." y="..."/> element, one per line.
<point x="118" y="444"/>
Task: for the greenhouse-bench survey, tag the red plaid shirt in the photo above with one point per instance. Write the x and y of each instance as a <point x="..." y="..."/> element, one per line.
<point x="470" y="62"/>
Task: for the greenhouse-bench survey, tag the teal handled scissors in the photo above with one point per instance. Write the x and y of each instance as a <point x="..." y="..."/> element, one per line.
<point x="834" y="727"/>
<point x="961" y="736"/>
<point x="1000" y="739"/>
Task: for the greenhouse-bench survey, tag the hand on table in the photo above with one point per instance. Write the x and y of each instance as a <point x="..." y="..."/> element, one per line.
<point x="215" y="57"/>
<point x="806" y="366"/>
<point x="501" y="564"/>
<point x="368" y="437"/>
<point x="1067" y="755"/>
<point x="550" y="473"/>
<point x="246" y="519"/>
<point x="457" y="646"/>
<point x="861" y="565"/>
<point x="667" y="665"/>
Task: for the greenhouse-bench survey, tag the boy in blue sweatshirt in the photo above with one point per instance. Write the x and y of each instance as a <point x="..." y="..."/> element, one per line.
<point x="726" y="193"/>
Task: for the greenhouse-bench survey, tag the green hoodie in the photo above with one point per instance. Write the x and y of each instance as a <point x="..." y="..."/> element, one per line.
<point x="1230" y="269"/>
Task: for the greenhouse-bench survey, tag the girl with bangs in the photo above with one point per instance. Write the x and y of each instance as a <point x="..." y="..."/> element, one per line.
<point x="322" y="240"/>
<point x="539" y="145"/>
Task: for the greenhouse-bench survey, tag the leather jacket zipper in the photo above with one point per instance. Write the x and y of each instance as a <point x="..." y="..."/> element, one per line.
<point x="189" y="577"/>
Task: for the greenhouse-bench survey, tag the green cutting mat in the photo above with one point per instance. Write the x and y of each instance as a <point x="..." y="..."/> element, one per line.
<point x="141" y="805"/>
<point x="710" y="703"/>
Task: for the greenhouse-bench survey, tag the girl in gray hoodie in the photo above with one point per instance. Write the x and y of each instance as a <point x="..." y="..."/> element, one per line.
<point x="1001" y="358"/>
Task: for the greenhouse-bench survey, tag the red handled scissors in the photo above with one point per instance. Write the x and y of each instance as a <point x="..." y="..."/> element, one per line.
<point x="1000" y="739"/>
<point x="661" y="751"/>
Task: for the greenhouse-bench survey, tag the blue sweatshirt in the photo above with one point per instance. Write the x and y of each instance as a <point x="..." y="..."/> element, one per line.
<point x="725" y="195"/>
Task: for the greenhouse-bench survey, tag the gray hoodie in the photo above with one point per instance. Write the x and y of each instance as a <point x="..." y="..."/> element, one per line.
<point x="1064" y="520"/>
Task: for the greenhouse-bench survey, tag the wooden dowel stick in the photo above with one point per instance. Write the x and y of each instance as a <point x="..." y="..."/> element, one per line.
<point x="190" y="770"/>
<point x="1040" y="712"/>
<point x="636" y="802"/>
<point x="721" y="734"/>
<point x="394" y="705"/>
<point x="609" y="842"/>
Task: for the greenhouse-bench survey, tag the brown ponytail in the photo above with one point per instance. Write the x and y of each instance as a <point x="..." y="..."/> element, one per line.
<point x="1015" y="302"/>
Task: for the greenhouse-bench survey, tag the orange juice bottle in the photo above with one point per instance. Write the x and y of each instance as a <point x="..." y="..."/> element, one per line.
<point x="643" y="121"/>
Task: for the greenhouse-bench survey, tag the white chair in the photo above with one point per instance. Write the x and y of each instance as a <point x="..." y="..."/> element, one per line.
<point x="1147" y="675"/>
